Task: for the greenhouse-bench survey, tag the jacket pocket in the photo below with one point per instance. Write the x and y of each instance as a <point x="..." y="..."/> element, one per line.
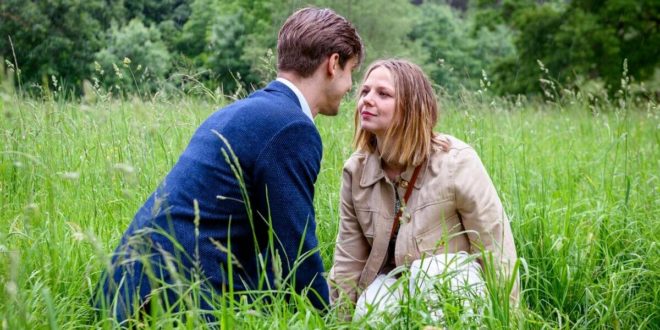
<point x="366" y="221"/>
<point x="434" y="225"/>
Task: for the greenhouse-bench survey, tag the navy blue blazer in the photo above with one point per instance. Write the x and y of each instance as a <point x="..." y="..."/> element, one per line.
<point x="236" y="210"/>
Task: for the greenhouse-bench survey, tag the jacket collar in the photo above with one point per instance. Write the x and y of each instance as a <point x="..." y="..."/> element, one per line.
<point x="280" y="87"/>
<point x="301" y="98"/>
<point x="373" y="171"/>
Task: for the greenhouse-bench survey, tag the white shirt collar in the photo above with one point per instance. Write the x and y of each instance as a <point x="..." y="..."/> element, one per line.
<point x="303" y="103"/>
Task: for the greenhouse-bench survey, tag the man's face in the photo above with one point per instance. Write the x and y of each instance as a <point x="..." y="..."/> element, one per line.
<point x="339" y="85"/>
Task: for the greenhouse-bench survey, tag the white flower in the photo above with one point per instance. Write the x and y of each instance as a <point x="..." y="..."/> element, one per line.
<point x="69" y="175"/>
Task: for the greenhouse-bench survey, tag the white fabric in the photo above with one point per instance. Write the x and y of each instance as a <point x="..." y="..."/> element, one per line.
<point x="383" y="295"/>
<point x="303" y="103"/>
<point x="457" y="272"/>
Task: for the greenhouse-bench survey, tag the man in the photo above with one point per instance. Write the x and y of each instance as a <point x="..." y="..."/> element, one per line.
<point x="236" y="209"/>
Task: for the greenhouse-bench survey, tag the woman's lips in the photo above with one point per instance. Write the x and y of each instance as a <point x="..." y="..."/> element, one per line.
<point x="366" y="114"/>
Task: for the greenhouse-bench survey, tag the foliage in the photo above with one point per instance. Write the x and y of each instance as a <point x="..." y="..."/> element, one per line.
<point x="53" y="38"/>
<point x="158" y="11"/>
<point x="384" y="28"/>
<point x="138" y="49"/>
<point x="228" y="40"/>
<point x="577" y="39"/>
<point x="228" y="45"/>
<point x="168" y="16"/>
<point x="456" y="58"/>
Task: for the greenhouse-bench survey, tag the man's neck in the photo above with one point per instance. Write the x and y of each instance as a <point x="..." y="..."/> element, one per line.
<point x="309" y="87"/>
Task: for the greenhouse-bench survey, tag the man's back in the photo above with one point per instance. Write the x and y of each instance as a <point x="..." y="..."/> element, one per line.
<point x="275" y="149"/>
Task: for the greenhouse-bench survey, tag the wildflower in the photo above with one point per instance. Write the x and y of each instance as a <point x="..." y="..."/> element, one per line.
<point x="277" y="270"/>
<point x="543" y="68"/>
<point x="77" y="233"/>
<point x="117" y="71"/>
<point x="558" y="243"/>
<point x="11" y="288"/>
<point x="251" y="312"/>
<point x="69" y="175"/>
<point x="127" y="61"/>
<point x="485" y="78"/>
<point x="32" y="207"/>
<point x="78" y="236"/>
<point x="124" y="168"/>
<point x="10" y="65"/>
<point x="225" y="250"/>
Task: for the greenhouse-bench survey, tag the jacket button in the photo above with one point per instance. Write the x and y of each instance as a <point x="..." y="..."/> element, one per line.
<point x="403" y="184"/>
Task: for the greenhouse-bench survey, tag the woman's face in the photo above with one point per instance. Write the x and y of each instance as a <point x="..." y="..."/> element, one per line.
<point x="377" y="102"/>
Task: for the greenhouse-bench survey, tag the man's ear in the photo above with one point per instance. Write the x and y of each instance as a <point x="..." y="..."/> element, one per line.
<point x="333" y="64"/>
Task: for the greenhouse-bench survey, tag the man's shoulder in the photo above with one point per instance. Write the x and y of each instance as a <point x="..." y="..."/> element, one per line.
<point x="266" y="109"/>
<point x="275" y="95"/>
<point x="268" y="101"/>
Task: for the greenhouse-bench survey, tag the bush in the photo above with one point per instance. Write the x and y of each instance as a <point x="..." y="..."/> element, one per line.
<point x="457" y="56"/>
<point x="135" y="59"/>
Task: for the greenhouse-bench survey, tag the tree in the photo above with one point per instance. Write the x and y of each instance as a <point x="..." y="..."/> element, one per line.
<point x="168" y="16"/>
<point x="458" y="56"/>
<point x="230" y="39"/>
<point x="225" y="45"/>
<point x="54" y="38"/>
<point x="577" y="40"/>
<point x="384" y="27"/>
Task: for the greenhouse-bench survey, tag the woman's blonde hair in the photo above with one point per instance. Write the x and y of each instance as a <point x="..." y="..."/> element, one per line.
<point x="408" y="140"/>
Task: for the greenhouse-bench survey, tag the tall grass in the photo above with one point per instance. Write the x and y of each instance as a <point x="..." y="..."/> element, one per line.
<point x="581" y="187"/>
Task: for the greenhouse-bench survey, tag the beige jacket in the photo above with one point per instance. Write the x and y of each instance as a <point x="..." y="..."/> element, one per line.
<point x="453" y="207"/>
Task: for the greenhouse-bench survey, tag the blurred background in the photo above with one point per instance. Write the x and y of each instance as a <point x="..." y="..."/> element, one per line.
<point x="505" y="47"/>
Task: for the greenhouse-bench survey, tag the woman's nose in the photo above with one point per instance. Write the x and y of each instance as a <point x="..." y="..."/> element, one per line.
<point x="367" y="98"/>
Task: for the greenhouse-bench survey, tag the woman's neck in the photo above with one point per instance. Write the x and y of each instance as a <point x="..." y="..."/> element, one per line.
<point x="392" y="171"/>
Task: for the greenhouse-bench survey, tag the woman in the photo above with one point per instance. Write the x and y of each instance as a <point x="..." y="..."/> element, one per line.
<point x="449" y="203"/>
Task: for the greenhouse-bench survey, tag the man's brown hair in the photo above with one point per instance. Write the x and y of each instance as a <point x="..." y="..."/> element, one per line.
<point x="310" y="35"/>
<point x="409" y="139"/>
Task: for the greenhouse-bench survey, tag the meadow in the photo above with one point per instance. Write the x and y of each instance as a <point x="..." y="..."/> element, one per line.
<point x="580" y="184"/>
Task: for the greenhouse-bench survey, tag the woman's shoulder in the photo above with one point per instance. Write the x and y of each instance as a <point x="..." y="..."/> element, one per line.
<point x="356" y="160"/>
<point x="457" y="147"/>
<point x="454" y="142"/>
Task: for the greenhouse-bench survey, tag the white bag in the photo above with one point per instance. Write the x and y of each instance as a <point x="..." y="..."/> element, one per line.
<point x="458" y="272"/>
<point x="383" y="295"/>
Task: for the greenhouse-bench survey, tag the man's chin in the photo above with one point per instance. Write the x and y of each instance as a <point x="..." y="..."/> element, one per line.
<point x="329" y="111"/>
